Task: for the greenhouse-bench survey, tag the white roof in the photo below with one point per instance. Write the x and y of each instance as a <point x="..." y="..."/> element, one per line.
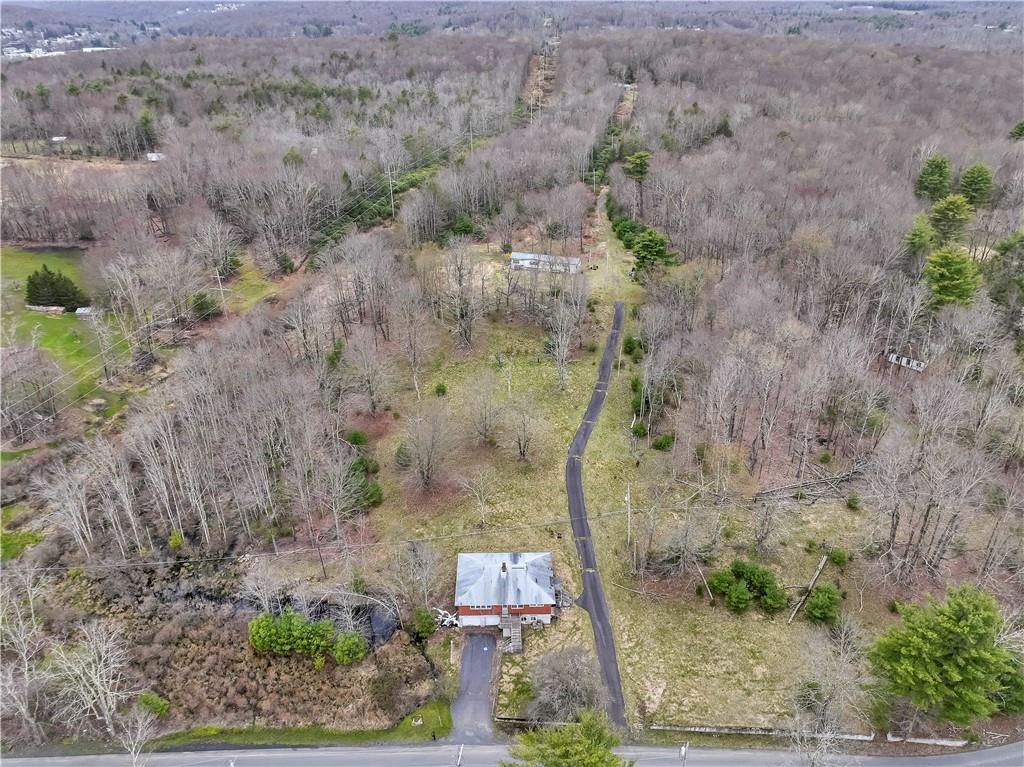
<point x="505" y="578"/>
<point x="544" y="258"/>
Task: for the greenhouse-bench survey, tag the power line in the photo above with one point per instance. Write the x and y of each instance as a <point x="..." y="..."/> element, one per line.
<point x="561" y="521"/>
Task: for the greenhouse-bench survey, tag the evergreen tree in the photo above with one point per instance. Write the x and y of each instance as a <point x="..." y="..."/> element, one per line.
<point x="650" y="249"/>
<point x="945" y="658"/>
<point x="1017" y="132"/>
<point x="949" y="217"/>
<point x="952" y="276"/>
<point x="586" y="744"/>
<point x="637" y="166"/>
<point x="933" y="180"/>
<point x="976" y="184"/>
<point x="921" y="237"/>
<point x="1004" y="275"/>
<point x="146" y="131"/>
<point x="45" y="287"/>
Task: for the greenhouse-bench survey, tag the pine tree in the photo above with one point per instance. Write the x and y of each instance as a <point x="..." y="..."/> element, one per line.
<point x="650" y="249"/>
<point x="976" y="184"/>
<point x="933" y="180"/>
<point x="949" y="217"/>
<point x="952" y="276"/>
<point x="45" y="287"/>
<point x="587" y="744"/>
<point x="945" y="657"/>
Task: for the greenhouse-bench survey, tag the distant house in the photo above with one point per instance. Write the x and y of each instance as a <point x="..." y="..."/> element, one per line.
<point x="505" y="589"/>
<point x="58" y="139"/>
<point x="905" y="358"/>
<point x="544" y="263"/>
<point x="84" y="312"/>
<point x="154" y="156"/>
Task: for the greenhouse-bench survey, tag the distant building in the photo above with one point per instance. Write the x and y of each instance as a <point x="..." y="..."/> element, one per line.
<point x="504" y="589"/>
<point x="154" y="156"/>
<point x="544" y="263"/>
<point x="905" y="358"/>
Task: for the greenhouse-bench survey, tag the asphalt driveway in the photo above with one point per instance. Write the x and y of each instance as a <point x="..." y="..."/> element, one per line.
<point x="592" y="599"/>
<point x="471" y="709"/>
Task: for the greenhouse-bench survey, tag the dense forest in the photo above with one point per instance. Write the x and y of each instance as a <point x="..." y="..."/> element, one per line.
<point x="329" y="377"/>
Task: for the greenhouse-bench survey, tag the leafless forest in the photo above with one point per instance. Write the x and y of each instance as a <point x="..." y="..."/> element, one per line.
<point x="381" y="377"/>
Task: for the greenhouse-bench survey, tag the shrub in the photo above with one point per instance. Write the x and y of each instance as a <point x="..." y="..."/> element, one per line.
<point x="205" y="306"/>
<point x="853" y="502"/>
<point x="839" y="557"/>
<point x="823" y="604"/>
<point x="630" y="345"/>
<point x="664" y="442"/>
<point x="176" y="540"/>
<point x="423" y="625"/>
<point x="774" y="598"/>
<point x="290" y="633"/>
<point x="403" y="456"/>
<point x="153" y="703"/>
<point x="639" y="429"/>
<point x="440" y="390"/>
<point x="349" y="648"/>
<point x="383" y="688"/>
<point x="738" y="597"/>
<point x="374" y="494"/>
<point x="825" y="458"/>
<point x="356" y="438"/>
<point x="720" y="582"/>
<point x="365" y="465"/>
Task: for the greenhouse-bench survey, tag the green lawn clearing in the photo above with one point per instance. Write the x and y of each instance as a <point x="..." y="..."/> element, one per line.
<point x="13" y="542"/>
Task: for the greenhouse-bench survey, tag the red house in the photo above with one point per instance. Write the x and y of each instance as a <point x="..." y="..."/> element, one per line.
<point x="504" y="589"/>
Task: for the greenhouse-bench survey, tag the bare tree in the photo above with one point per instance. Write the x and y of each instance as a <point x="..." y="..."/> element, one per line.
<point x="480" y="483"/>
<point x="262" y="586"/>
<point x="561" y="329"/>
<point x="565" y="683"/>
<point x="485" y="409"/>
<point x="24" y="675"/>
<point x="90" y="677"/>
<point x="462" y="290"/>
<point x="412" y="320"/>
<point x="427" y="438"/>
<point x="523" y="428"/>
<point x="134" y="730"/>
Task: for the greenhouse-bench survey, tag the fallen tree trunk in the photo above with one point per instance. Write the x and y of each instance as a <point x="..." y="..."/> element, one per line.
<point x="810" y="587"/>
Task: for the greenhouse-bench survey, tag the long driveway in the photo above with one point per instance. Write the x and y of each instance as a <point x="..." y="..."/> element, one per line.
<point x="592" y="599"/>
<point x="447" y="755"/>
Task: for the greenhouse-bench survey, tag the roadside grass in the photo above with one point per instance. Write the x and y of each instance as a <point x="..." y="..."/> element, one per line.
<point x="436" y="719"/>
<point x="14" y="542"/>
<point x="14" y="455"/>
<point x="611" y="280"/>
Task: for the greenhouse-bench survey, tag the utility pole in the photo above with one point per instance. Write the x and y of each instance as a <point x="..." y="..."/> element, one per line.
<point x="391" y="189"/>
<point x="220" y="289"/>
<point x="629" y="516"/>
<point x="682" y="752"/>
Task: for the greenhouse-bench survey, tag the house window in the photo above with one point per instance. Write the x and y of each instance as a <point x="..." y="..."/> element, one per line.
<point x="515" y="607"/>
<point x="479" y="607"/>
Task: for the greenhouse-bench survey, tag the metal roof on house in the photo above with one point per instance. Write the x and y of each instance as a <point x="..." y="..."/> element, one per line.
<point x="544" y="258"/>
<point x="510" y="578"/>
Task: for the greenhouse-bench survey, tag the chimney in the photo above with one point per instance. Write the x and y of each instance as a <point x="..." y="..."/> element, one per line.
<point x="504" y="569"/>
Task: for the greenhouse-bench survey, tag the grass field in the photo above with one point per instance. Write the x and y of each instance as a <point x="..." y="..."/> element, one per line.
<point x="67" y="339"/>
<point x="13" y="542"/>
<point x="436" y="720"/>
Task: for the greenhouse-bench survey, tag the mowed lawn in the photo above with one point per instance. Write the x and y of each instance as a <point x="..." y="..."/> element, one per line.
<point x="67" y="339"/>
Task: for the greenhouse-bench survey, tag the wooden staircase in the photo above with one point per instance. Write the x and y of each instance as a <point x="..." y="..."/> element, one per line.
<point x="512" y="629"/>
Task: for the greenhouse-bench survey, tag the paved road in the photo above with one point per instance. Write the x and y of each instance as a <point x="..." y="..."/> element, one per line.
<point x="592" y="599"/>
<point x="438" y="755"/>
<point x="471" y="709"/>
